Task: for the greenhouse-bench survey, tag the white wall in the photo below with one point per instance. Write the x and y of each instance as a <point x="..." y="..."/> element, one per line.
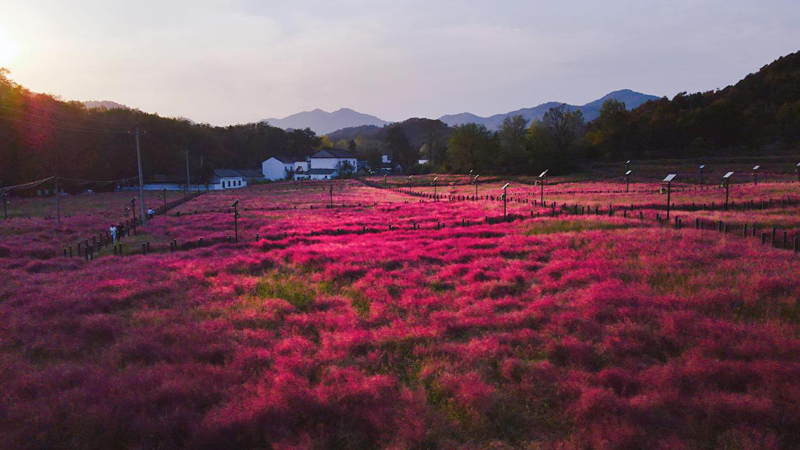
<point x="273" y="169"/>
<point x="331" y="163"/>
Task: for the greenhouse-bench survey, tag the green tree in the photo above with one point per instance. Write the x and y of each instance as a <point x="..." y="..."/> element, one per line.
<point x="469" y="148"/>
<point x="402" y="152"/>
<point x="513" y="153"/>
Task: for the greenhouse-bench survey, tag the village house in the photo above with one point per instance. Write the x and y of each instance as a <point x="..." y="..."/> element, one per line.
<point x="283" y="167"/>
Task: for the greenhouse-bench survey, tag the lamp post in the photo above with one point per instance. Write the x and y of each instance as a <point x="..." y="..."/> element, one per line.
<point x="542" y="179"/>
<point x="384" y="179"/>
<point x="668" y="181"/>
<point x="476" y="186"/>
<point x="627" y="180"/>
<point x="435" y="198"/>
<point x="755" y="174"/>
<point x="797" y="169"/>
<point x="628" y="165"/>
<point x="164" y="193"/>
<point x="470" y="174"/>
<point x="235" y="207"/>
<point x="505" y="200"/>
<point x="702" y="166"/>
<point x="726" y="179"/>
<point x="408" y="180"/>
<point x="331" y="192"/>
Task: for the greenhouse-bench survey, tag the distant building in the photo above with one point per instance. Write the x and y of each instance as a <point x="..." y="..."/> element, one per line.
<point x="227" y="179"/>
<point x="422" y="162"/>
<point x="317" y="174"/>
<point x="332" y="158"/>
<point x="251" y="175"/>
<point x="282" y="167"/>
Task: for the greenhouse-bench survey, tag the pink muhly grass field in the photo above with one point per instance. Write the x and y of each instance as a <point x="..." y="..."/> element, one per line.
<point x="556" y="332"/>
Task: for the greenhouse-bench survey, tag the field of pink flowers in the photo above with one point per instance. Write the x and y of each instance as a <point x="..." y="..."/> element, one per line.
<point x="568" y="332"/>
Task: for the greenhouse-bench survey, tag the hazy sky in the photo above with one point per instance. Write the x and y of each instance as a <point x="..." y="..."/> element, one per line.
<point x="241" y="61"/>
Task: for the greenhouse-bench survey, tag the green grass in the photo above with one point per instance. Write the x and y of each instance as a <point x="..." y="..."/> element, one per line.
<point x="569" y="226"/>
<point x="294" y="290"/>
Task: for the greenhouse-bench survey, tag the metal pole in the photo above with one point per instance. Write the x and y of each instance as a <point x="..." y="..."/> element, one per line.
<point x="541" y="195"/>
<point x="669" y="194"/>
<point x="331" y="190"/>
<point x="188" y="178"/>
<point x="505" y="199"/>
<point x="58" y="203"/>
<point x="133" y="211"/>
<point x="727" y="189"/>
<point x="141" y="178"/>
<point x="164" y="192"/>
<point x="627" y="182"/>
<point x="236" y="222"/>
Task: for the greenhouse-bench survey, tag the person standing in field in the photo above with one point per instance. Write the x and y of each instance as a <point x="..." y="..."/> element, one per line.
<point x="121" y="230"/>
<point x="113" y="231"/>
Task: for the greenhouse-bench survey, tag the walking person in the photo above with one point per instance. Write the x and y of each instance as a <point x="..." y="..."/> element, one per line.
<point x="113" y="231"/>
<point x="150" y="213"/>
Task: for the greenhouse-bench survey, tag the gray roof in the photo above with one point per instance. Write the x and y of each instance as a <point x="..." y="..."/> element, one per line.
<point x="227" y="173"/>
<point x="319" y="172"/>
<point x="289" y="159"/>
<point x="250" y="173"/>
<point x="334" y="153"/>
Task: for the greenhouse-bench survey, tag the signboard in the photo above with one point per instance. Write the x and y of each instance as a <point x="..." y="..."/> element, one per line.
<point x="670" y="177"/>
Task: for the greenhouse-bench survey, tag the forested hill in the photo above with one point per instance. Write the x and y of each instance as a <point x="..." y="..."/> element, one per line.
<point x="759" y="113"/>
<point x="41" y="136"/>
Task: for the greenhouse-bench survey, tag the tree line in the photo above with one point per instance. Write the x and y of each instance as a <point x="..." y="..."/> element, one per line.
<point x="42" y="136"/>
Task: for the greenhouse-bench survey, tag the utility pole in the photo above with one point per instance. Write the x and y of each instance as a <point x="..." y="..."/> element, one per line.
<point x="58" y="203"/>
<point x="141" y="178"/>
<point x="188" y="179"/>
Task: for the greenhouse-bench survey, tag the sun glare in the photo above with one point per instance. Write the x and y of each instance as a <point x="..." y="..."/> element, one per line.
<point x="9" y="49"/>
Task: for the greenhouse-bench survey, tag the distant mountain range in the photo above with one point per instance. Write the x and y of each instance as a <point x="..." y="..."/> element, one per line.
<point x="322" y="122"/>
<point x="590" y="110"/>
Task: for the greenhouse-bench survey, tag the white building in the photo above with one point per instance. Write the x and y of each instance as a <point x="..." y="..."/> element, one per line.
<point x="227" y="179"/>
<point x="332" y="158"/>
<point x="281" y="167"/>
<point x="317" y="174"/>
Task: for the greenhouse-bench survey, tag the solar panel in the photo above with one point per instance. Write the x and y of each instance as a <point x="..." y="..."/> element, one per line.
<point x="504" y="187"/>
<point x="670" y="177"/>
<point x="628" y="172"/>
<point x="756" y="167"/>
<point x="727" y="175"/>
<point x="541" y="175"/>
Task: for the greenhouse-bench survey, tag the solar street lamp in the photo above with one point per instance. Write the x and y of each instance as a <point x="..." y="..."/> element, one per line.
<point x="628" y="165"/>
<point x="435" y="198"/>
<point x="384" y="179"/>
<point x="235" y="207"/>
<point x="755" y="174"/>
<point x="797" y="169"/>
<point x="505" y="200"/>
<point x="408" y="180"/>
<point x="542" y="180"/>
<point x="331" y="192"/>
<point x="627" y="180"/>
<point x="702" y="166"/>
<point x="668" y="181"/>
<point x="164" y="194"/>
<point x="476" y="185"/>
<point x="726" y="179"/>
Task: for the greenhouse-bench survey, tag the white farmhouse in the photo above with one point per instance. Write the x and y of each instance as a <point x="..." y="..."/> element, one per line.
<point x="317" y="174"/>
<point x="333" y="159"/>
<point x="280" y="167"/>
<point x="227" y="179"/>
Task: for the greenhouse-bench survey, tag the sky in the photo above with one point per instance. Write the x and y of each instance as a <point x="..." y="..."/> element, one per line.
<point x="229" y="62"/>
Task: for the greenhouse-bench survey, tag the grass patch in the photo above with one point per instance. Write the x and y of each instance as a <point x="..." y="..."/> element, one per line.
<point x="569" y="226"/>
<point x="295" y="291"/>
